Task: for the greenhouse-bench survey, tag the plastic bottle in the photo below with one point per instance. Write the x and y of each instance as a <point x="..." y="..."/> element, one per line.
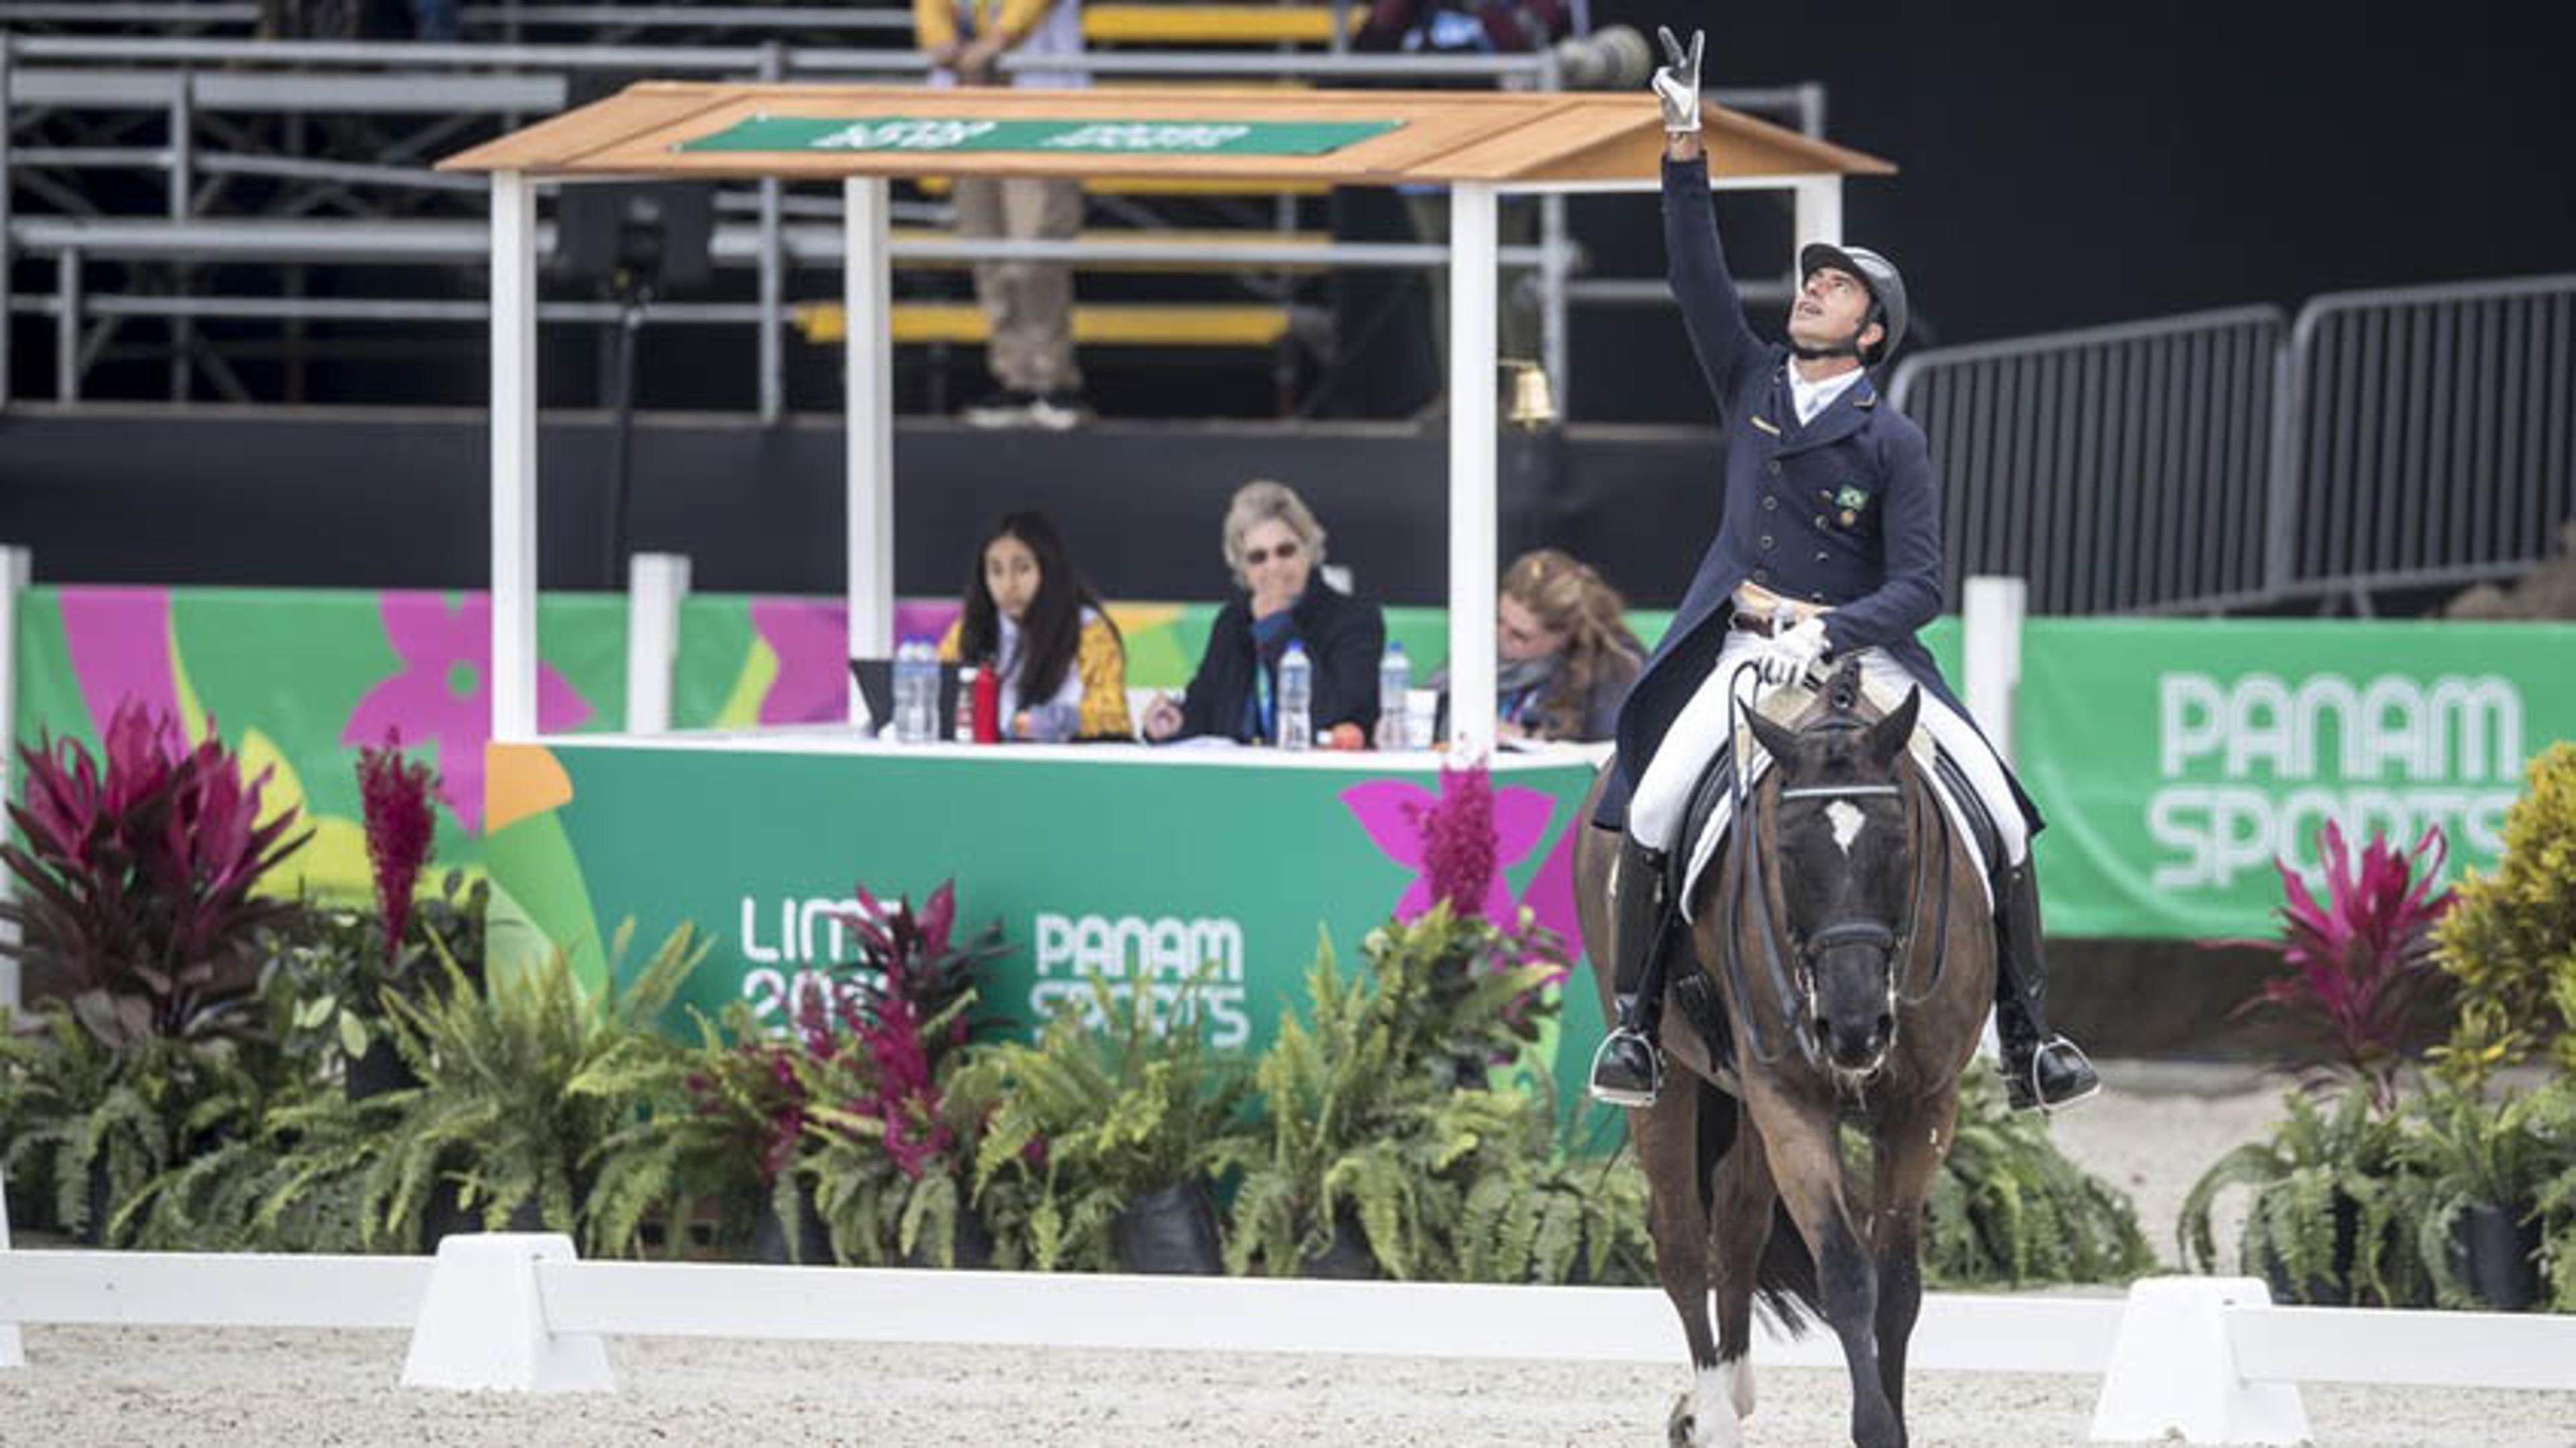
<point x="905" y="726"/>
<point x="1394" y="682"/>
<point x="964" y="732"/>
<point x="987" y="706"/>
<point x="924" y="726"/>
<point x="1296" y="698"/>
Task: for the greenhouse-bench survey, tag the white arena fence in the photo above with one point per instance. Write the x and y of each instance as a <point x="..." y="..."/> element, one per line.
<point x="2209" y="1360"/>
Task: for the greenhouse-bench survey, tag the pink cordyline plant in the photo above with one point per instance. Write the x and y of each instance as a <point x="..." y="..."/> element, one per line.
<point x="2358" y="963"/>
<point x="402" y="827"/>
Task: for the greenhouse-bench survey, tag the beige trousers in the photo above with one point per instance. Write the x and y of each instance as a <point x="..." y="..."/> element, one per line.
<point x="1029" y="304"/>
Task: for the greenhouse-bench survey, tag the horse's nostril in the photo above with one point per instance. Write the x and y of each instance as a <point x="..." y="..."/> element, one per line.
<point x="1886" y="1025"/>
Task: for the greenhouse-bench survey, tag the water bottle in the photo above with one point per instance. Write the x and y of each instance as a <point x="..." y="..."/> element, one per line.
<point x="964" y="732"/>
<point x="1296" y="698"/>
<point x="1394" y="682"/>
<point x="916" y="691"/>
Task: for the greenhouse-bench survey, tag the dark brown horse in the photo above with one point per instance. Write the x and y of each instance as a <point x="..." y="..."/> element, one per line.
<point x="1847" y="934"/>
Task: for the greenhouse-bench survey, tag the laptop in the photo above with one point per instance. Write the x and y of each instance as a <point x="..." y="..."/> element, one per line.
<point x="876" y="686"/>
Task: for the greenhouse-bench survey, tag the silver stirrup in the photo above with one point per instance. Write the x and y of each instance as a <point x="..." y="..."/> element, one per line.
<point x="1608" y="1097"/>
<point x="2046" y="1106"/>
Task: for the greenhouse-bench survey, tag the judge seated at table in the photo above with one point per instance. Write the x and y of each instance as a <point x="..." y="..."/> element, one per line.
<point x="1031" y="618"/>
<point x="1275" y="549"/>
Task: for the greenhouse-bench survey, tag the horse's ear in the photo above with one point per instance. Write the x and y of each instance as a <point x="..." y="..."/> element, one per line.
<point x="1888" y="737"/>
<point x="1778" y="740"/>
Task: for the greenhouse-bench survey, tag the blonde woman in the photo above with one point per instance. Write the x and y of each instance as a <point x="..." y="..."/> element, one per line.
<point x="1567" y="658"/>
<point x="1273" y="545"/>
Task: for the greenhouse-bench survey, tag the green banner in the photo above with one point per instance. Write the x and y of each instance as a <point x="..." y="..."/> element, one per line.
<point x="2176" y="759"/>
<point x="1137" y="866"/>
<point x="1086" y="137"/>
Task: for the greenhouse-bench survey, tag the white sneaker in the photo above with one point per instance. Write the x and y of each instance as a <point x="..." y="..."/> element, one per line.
<point x="1060" y="411"/>
<point x="1009" y="407"/>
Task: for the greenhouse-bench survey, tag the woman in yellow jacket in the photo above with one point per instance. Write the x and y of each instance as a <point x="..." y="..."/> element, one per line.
<point x="1029" y="615"/>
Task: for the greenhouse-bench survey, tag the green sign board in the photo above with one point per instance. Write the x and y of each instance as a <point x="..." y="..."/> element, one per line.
<point x="1136" y="866"/>
<point x="1087" y="137"/>
<point x="2177" y="759"/>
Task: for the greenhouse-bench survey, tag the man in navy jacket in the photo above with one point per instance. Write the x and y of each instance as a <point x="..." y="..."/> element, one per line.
<point x="1829" y="545"/>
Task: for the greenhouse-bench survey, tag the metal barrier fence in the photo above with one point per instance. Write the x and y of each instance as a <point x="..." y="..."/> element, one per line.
<point x="2427" y="437"/>
<point x="2115" y="468"/>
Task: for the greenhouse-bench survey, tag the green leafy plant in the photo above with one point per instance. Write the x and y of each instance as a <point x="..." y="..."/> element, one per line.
<point x="1102" y="1110"/>
<point x="95" y="1124"/>
<point x="2009" y="1209"/>
<point x="2510" y="945"/>
<point x="1513" y="1206"/>
<point x="1354" y="1102"/>
<point x="135" y="879"/>
<point x="523" y="1079"/>
<point x="323" y="972"/>
<point x="2329" y="1215"/>
<point x="2553" y="1112"/>
<point x="2469" y="1153"/>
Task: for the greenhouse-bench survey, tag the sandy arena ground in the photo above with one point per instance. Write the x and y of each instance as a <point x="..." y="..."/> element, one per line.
<point x="172" y="1386"/>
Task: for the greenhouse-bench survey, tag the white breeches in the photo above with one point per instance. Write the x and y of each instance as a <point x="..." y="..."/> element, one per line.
<point x="1662" y="795"/>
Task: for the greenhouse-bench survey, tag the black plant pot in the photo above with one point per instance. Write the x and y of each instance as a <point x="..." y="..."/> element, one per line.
<point x="444" y="1215"/>
<point x="2496" y="1251"/>
<point x="1348" y="1259"/>
<point x="812" y="1240"/>
<point x="1171" y="1232"/>
<point x="972" y="1244"/>
<point x="377" y="1072"/>
<point x="2335" y="1289"/>
<point x="102" y="1203"/>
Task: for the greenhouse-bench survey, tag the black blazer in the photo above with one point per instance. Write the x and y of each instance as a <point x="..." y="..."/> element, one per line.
<point x="1343" y="636"/>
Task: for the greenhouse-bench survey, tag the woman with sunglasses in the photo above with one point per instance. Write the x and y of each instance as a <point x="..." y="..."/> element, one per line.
<point x="1273" y="545"/>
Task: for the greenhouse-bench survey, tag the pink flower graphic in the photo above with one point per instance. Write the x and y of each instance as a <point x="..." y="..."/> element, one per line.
<point x="811" y="639"/>
<point x="1391" y="810"/>
<point x="443" y="694"/>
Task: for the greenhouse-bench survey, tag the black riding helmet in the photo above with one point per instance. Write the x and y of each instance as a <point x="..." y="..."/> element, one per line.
<point x="1878" y="274"/>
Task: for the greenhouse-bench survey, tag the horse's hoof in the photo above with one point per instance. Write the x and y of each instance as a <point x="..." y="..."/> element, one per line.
<point x="1681" y="1428"/>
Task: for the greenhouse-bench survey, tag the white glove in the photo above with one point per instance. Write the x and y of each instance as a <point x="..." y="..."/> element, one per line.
<point x="1800" y="647"/>
<point x="1677" y="82"/>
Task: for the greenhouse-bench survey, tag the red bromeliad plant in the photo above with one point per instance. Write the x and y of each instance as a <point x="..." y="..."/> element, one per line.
<point x="136" y="875"/>
<point x="2360" y="962"/>
<point x="402" y="823"/>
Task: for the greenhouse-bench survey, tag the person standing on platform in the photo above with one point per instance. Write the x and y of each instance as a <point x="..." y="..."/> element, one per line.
<point x="1047" y="637"/>
<point x="1028" y="305"/>
<point x="1829" y="545"/>
<point x="1276" y="548"/>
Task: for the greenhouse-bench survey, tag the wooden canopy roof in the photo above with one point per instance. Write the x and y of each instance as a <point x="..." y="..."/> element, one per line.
<point x="1437" y="136"/>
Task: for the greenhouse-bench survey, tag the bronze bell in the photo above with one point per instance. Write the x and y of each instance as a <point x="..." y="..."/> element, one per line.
<point x="1533" y="397"/>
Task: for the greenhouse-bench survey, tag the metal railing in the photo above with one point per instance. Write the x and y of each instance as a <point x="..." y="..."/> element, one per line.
<point x="2115" y="468"/>
<point x="2426" y="435"/>
<point x="455" y="82"/>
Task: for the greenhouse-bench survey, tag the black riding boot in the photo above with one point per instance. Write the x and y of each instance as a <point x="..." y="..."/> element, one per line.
<point x="2042" y="1070"/>
<point x="1628" y="1070"/>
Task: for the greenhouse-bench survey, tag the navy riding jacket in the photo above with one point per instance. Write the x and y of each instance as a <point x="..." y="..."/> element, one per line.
<point x="1843" y="511"/>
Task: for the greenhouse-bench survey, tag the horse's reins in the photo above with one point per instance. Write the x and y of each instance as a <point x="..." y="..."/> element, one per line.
<point x="1744" y="869"/>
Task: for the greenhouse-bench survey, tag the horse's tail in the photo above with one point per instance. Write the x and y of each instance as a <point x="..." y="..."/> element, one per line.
<point x="1784" y="1282"/>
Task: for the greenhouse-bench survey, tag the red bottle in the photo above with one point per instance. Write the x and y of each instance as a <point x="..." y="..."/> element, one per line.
<point x="988" y="705"/>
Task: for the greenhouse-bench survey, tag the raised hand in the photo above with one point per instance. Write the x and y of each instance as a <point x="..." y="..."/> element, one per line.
<point x="1677" y="81"/>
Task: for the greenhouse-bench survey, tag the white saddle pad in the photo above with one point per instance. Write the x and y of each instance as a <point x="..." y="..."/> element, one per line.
<point x="1784" y="704"/>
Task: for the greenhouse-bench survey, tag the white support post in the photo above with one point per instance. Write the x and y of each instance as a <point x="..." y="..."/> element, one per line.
<point x="15" y="570"/>
<point x="1472" y="524"/>
<point x="482" y="1325"/>
<point x="656" y="585"/>
<point x="13" y="1352"/>
<point x="868" y="418"/>
<point x="514" y="457"/>
<point x="1990" y="615"/>
<point x="2173" y="1370"/>
<point x="1820" y="209"/>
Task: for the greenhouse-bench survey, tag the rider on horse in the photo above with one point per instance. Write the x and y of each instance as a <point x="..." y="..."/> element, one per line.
<point x="1830" y="544"/>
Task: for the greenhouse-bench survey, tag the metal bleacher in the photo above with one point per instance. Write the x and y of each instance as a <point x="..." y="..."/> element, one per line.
<point x="209" y="198"/>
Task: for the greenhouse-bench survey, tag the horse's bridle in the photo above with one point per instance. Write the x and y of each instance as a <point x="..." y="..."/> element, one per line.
<point x="1746" y="881"/>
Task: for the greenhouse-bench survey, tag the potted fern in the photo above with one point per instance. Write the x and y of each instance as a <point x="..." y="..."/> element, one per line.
<point x="2009" y="1209"/>
<point x="1111" y="1122"/>
<point x="1514" y="1206"/>
<point x="522" y="1080"/>
<point x="2480" y="1168"/>
<point x="2327" y="1220"/>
